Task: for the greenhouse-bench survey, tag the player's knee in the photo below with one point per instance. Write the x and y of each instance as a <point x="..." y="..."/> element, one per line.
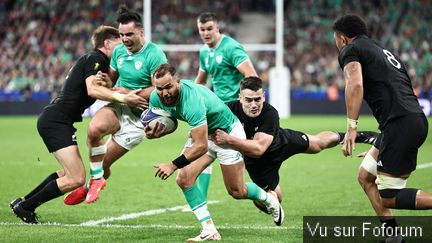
<point x="94" y="133"/>
<point x="365" y="178"/>
<point x="107" y="172"/>
<point x="184" y="182"/>
<point x="399" y="198"/>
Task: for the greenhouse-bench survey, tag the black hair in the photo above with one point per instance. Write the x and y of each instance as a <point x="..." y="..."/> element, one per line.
<point x="350" y="25"/>
<point x="163" y="69"/>
<point x="124" y="16"/>
<point x="206" y="17"/>
<point x="253" y="83"/>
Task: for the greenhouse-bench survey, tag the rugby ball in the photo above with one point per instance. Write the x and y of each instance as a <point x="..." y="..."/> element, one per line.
<point x="153" y="115"/>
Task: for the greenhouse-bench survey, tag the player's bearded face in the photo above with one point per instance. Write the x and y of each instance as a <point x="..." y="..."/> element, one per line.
<point x="252" y="102"/>
<point x="168" y="88"/>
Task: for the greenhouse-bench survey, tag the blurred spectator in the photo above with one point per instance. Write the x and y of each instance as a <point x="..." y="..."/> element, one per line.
<point x="39" y="39"/>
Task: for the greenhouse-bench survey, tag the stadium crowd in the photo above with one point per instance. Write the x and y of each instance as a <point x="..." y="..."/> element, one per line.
<point x="40" y="39"/>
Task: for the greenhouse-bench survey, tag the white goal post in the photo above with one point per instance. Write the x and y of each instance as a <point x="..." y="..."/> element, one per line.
<point x="279" y="76"/>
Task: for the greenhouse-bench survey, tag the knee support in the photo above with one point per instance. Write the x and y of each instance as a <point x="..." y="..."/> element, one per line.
<point x="406" y="198"/>
<point x="98" y="150"/>
<point x="369" y="164"/>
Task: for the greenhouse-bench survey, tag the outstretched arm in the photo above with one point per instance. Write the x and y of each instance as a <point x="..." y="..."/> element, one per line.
<point x="254" y="148"/>
<point x="200" y="146"/>
<point x="353" y="101"/>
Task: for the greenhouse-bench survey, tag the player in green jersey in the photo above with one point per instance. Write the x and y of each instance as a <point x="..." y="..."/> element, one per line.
<point x="132" y="65"/>
<point x="227" y="63"/>
<point x="204" y="112"/>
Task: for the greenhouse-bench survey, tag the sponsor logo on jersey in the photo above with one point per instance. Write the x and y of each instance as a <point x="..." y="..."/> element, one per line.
<point x="138" y="65"/>
<point x="219" y="58"/>
<point x="379" y="163"/>
<point x="304" y="137"/>
<point x="130" y="58"/>
<point x="96" y="67"/>
<point x="256" y="128"/>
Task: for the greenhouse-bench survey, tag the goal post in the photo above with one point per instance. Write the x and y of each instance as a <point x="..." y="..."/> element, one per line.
<point x="279" y="76"/>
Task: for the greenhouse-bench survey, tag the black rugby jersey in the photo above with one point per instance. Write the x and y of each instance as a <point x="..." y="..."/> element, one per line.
<point x="73" y="98"/>
<point x="386" y="84"/>
<point x="267" y="122"/>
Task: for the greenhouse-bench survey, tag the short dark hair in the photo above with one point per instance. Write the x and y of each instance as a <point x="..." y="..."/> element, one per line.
<point x="103" y="33"/>
<point x="163" y="69"/>
<point x="350" y="25"/>
<point x="206" y="17"/>
<point x="253" y="83"/>
<point x="124" y="16"/>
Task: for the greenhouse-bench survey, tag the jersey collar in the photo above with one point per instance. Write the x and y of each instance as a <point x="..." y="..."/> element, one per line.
<point x="218" y="44"/>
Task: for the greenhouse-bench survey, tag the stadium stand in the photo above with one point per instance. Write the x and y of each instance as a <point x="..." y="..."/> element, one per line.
<point x="41" y="39"/>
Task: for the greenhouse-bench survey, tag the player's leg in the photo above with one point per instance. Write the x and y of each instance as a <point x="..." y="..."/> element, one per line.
<point x="39" y="187"/>
<point x="203" y="181"/>
<point x="232" y="167"/>
<point x="402" y="137"/>
<point x="74" y="176"/>
<point x="329" y="139"/>
<point x="114" y="152"/>
<point x="186" y="180"/>
<point x="127" y="131"/>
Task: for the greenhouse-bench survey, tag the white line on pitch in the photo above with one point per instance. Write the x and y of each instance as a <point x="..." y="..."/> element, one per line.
<point x="139" y="214"/>
<point x="158" y="226"/>
<point x="424" y="165"/>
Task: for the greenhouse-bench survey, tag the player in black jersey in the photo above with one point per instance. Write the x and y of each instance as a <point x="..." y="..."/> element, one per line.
<point x="268" y="145"/>
<point x="376" y="75"/>
<point x="55" y="123"/>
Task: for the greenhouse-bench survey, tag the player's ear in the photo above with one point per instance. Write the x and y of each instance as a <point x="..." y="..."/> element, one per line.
<point x="263" y="96"/>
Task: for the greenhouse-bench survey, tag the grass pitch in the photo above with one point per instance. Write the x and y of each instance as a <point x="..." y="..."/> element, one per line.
<point x="137" y="207"/>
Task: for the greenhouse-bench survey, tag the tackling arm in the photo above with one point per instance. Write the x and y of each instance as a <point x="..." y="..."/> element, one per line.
<point x="253" y="148"/>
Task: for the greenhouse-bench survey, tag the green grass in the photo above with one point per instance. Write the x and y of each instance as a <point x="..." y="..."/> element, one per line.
<point x="313" y="185"/>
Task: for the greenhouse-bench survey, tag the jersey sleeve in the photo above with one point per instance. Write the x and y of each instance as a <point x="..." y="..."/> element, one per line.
<point x="270" y="122"/>
<point x="92" y="65"/>
<point x="348" y="54"/>
<point x="157" y="58"/>
<point x="238" y="55"/>
<point x="194" y="111"/>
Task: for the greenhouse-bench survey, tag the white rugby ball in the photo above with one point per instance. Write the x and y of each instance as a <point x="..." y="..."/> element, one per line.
<point x="152" y="115"/>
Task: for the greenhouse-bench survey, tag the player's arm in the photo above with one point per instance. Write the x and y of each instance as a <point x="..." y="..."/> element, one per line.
<point x="353" y="100"/>
<point x="247" y="69"/>
<point x="253" y="148"/>
<point x="199" y="147"/>
<point x="202" y="77"/>
<point x="97" y="91"/>
<point x="113" y="76"/>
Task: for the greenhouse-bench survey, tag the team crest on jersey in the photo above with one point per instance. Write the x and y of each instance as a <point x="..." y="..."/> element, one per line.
<point x="138" y="65"/>
<point x="120" y="61"/>
<point x="96" y="67"/>
<point x="219" y="58"/>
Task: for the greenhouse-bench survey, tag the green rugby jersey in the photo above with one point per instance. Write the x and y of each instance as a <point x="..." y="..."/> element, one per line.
<point x="221" y="63"/>
<point x="197" y="105"/>
<point x="136" y="69"/>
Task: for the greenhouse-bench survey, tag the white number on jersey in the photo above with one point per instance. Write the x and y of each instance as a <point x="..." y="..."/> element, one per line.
<point x="391" y="58"/>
